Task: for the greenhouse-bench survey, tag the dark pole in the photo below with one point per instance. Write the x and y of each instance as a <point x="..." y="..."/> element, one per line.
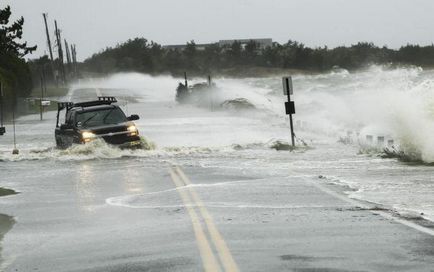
<point x="68" y="55"/>
<point x="43" y="88"/>
<point x="60" y="51"/>
<point x="49" y="42"/>
<point x="1" y="109"/>
<point x="290" y="123"/>
<point x="44" y="76"/>
<point x="1" y="104"/>
<point x="48" y="36"/>
<point x="74" y="60"/>
<point x="42" y="95"/>
<point x="185" y="78"/>
<point x="15" y="150"/>
<point x="290" y="108"/>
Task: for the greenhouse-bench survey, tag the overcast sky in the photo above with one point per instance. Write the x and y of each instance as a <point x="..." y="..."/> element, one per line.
<point x="96" y="24"/>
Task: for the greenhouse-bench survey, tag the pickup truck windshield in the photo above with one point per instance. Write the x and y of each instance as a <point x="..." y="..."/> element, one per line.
<point x="100" y="117"/>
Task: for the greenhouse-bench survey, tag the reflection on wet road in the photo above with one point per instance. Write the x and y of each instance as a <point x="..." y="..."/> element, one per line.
<point x="191" y="198"/>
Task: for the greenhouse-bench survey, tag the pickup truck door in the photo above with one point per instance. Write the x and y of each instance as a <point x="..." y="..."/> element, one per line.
<point x="65" y="134"/>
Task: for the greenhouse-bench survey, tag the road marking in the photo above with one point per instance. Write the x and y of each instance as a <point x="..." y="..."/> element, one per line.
<point x="384" y="214"/>
<point x="208" y="259"/>
<point x="223" y="251"/>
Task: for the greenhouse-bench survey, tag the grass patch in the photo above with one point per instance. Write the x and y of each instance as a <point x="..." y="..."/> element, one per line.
<point x="5" y="192"/>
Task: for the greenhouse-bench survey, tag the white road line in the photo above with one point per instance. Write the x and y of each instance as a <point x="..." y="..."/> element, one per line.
<point x="364" y="206"/>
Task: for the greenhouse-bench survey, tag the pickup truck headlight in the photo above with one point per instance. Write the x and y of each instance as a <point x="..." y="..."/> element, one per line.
<point x="133" y="130"/>
<point x="87" y="136"/>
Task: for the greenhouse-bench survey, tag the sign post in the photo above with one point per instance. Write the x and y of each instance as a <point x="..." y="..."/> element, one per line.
<point x="290" y="105"/>
<point x="41" y="107"/>
<point x="2" y="129"/>
<point x="15" y="150"/>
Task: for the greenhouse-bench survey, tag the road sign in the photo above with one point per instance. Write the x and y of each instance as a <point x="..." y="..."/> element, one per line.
<point x="287" y="85"/>
<point x="290" y="107"/>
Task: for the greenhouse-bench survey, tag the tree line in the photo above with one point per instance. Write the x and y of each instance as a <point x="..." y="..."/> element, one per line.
<point x="149" y="57"/>
<point x="15" y="74"/>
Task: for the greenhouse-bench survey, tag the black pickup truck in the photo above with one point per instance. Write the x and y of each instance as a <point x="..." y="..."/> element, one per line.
<point x="99" y="119"/>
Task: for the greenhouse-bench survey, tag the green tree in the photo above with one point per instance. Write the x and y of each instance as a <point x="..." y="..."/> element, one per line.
<point x="14" y="71"/>
<point x="139" y="55"/>
<point x="191" y="56"/>
<point x="251" y="52"/>
<point x="211" y="58"/>
<point x="233" y="53"/>
<point x="11" y="34"/>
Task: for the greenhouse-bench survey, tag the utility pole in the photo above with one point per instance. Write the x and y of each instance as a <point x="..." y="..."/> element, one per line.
<point x="43" y="86"/>
<point x="60" y="52"/>
<point x="289" y="106"/>
<point x="68" y="55"/>
<point x="74" y="60"/>
<point x="2" y="128"/>
<point x="49" y="42"/>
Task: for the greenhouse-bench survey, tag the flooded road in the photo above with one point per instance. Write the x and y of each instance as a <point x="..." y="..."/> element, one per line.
<point x="213" y="194"/>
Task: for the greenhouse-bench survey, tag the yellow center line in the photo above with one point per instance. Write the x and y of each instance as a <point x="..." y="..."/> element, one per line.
<point x="209" y="261"/>
<point x="223" y="251"/>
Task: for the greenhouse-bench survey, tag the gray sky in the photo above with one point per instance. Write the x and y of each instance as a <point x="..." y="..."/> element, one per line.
<point x="96" y="24"/>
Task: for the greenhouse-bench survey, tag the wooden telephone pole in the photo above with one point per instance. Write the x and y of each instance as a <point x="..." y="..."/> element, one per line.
<point x="60" y="52"/>
<point x="74" y="60"/>
<point x="49" y="42"/>
<point x="68" y="55"/>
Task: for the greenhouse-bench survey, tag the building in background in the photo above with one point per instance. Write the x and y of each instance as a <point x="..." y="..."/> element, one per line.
<point x="263" y="43"/>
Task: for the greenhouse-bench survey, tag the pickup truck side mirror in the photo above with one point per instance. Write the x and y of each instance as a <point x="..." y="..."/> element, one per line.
<point x="133" y="117"/>
<point x="65" y="126"/>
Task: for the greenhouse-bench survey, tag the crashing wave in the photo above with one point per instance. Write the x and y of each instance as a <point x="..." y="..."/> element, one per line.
<point x="97" y="149"/>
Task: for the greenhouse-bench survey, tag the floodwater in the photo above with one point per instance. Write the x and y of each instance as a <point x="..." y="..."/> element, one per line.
<point x="337" y="115"/>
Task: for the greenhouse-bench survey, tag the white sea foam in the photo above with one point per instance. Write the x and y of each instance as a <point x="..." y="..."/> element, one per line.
<point x="395" y="103"/>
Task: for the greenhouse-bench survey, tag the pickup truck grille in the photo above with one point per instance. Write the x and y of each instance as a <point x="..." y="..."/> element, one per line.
<point x="117" y="139"/>
<point x="110" y="130"/>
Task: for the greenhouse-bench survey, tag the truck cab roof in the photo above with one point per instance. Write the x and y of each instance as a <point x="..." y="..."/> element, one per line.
<point x="92" y="108"/>
<point x="103" y="102"/>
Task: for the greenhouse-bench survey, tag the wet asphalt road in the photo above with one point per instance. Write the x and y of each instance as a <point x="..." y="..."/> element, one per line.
<point x="70" y="220"/>
<point x="198" y="211"/>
